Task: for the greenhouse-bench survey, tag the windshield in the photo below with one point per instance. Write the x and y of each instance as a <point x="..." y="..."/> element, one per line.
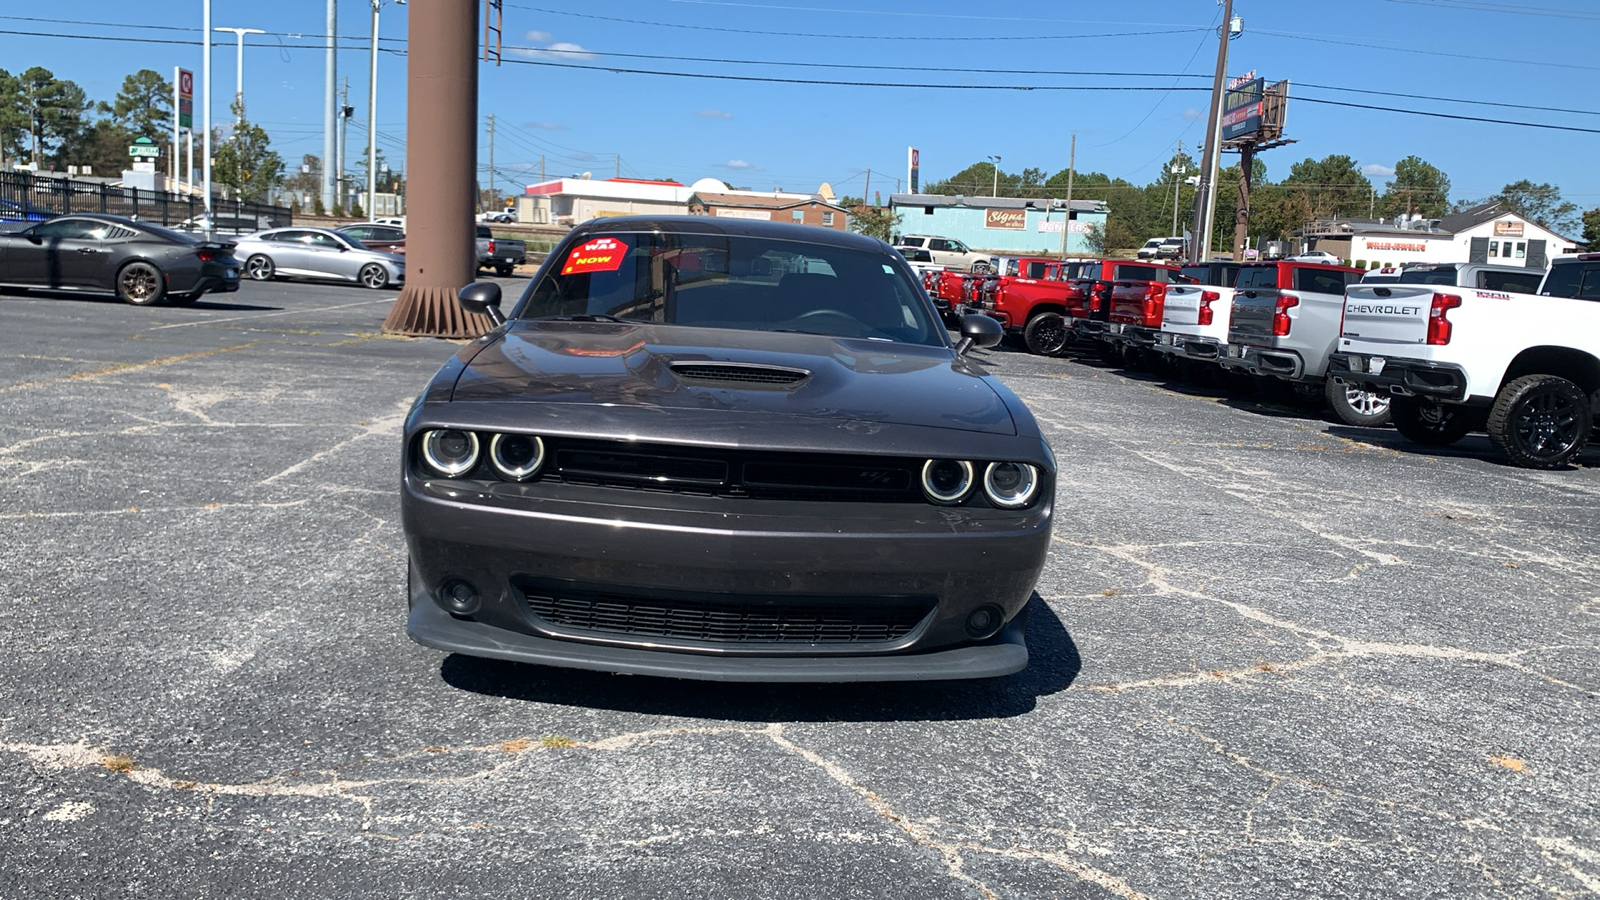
<point x="1428" y="275"/>
<point x="748" y="283"/>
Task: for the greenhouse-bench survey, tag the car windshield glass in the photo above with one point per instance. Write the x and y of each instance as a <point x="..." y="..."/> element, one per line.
<point x="749" y="283"/>
<point x="1428" y="275"/>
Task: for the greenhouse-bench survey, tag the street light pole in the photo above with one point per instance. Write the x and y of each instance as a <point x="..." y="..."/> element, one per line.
<point x="205" y="150"/>
<point x="372" y="118"/>
<point x="330" y="97"/>
<point x="238" y="88"/>
<point x="1204" y="196"/>
<point x="995" y="190"/>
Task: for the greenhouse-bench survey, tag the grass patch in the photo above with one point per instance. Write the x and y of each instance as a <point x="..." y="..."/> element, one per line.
<point x="556" y="742"/>
<point x="121" y="762"/>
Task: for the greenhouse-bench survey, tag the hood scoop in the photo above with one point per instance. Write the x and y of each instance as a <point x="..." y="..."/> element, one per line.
<point x="748" y="376"/>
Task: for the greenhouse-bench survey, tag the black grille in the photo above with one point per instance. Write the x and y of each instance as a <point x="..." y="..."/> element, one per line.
<point x="735" y="473"/>
<point x="725" y="619"/>
<point x="723" y="373"/>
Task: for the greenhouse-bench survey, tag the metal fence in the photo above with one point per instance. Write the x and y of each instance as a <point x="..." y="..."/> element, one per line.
<point x="25" y="196"/>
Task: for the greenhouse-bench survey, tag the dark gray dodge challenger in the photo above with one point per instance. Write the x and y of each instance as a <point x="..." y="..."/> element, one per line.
<point x="725" y="449"/>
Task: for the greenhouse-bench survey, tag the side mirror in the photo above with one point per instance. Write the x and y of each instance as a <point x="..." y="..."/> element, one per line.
<point x="483" y="298"/>
<point x="979" y="331"/>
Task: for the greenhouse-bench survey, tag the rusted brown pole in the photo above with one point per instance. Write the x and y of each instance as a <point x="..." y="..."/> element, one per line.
<point x="1241" y="215"/>
<point x="441" y="168"/>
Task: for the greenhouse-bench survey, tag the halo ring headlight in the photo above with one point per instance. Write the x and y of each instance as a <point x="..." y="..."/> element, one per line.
<point x="947" y="481"/>
<point x="516" y="456"/>
<point x="1010" y="485"/>
<point x="449" y="451"/>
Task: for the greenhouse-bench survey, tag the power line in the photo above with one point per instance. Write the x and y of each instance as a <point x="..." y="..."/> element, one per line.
<point x="1515" y="9"/>
<point x="919" y="14"/>
<point x="1415" y="49"/>
<point x="853" y="37"/>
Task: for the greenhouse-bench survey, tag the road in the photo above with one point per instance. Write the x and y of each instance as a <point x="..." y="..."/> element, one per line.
<point x="1272" y="656"/>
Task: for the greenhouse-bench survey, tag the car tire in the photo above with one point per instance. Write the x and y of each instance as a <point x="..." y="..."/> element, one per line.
<point x="374" y="276"/>
<point x="140" y="284"/>
<point x="1046" y="334"/>
<point x="1540" y="421"/>
<point x="1354" y="406"/>
<point x="503" y="271"/>
<point x="260" y="268"/>
<point x="1429" y="424"/>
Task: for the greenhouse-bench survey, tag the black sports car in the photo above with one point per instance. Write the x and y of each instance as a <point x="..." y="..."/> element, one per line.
<point x="725" y="449"/>
<point x="139" y="262"/>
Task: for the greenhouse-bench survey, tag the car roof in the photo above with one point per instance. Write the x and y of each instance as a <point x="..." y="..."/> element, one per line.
<point x="709" y="225"/>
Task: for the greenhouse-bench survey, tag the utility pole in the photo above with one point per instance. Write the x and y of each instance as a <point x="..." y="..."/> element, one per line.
<point x="372" y="120"/>
<point x="1241" y="215"/>
<point x="1200" y="246"/>
<point x="491" y="159"/>
<point x="344" y="130"/>
<point x="1066" y="223"/>
<point x="205" y="144"/>
<point x="330" y="96"/>
<point x="866" y="192"/>
<point x="619" y="165"/>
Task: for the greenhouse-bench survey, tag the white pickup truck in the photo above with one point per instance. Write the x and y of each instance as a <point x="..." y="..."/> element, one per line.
<point x="1194" y="320"/>
<point x="1525" y="367"/>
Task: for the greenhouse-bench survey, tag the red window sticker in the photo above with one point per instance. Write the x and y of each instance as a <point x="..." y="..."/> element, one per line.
<point x="598" y="255"/>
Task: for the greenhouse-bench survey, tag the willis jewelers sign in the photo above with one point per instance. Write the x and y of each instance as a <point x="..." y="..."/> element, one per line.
<point x="1009" y="219"/>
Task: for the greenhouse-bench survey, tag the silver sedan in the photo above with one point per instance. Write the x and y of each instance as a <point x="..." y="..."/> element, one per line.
<point x="317" y="253"/>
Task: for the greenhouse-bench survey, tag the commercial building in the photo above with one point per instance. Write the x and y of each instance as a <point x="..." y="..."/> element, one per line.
<point x="569" y="201"/>
<point x="1485" y="233"/>
<point x="801" y="209"/>
<point x="1004" y="225"/>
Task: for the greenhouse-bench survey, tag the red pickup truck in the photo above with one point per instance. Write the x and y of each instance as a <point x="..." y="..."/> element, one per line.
<point x="1036" y="307"/>
<point x="1119" y="294"/>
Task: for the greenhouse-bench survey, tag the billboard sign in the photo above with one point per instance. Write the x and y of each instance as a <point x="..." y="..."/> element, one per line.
<point x="1241" y="107"/>
<point x="186" y="99"/>
<point x="914" y="165"/>
<point x="1508" y="228"/>
<point x="144" y="148"/>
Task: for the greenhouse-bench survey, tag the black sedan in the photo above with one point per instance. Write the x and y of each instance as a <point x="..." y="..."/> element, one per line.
<point x="730" y="450"/>
<point x="139" y="262"/>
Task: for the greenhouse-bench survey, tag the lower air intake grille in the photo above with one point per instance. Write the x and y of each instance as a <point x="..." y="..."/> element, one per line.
<point x="730" y="621"/>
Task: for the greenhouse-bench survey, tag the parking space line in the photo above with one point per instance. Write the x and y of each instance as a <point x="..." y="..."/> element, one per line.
<point x="285" y="312"/>
<point x="119" y="368"/>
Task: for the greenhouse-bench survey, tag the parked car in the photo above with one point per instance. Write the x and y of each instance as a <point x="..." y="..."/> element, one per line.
<point x="947" y="252"/>
<point x="223" y="223"/>
<point x="1317" y="256"/>
<point x="318" y="253"/>
<point x="12" y="211"/>
<point x="139" y="262"/>
<point x="498" y="216"/>
<point x="1467" y="347"/>
<point x="1148" y="251"/>
<point x="1194" y="317"/>
<point x="920" y="261"/>
<point x="1172" y="248"/>
<point x="1094" y="294"/>
<point x="500" y="254"/>
<point x="396" y="221"/>
<point x="724" y="449"/>
<point x="388" y="238"/>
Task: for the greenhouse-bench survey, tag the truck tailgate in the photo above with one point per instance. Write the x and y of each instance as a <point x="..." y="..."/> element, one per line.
<point x="1388" y="314"/>
<point x="1252" y="314"/>
<point x="1182" y="309"/>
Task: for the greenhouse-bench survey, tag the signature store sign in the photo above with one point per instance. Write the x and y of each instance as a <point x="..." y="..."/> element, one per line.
<point x="1009" y="219"/>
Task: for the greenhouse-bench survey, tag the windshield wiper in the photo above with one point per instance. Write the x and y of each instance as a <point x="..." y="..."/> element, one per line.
<point x="592" y="317"/>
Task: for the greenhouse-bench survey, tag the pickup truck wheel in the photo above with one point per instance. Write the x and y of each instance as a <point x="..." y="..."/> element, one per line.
<point x="503" y="271"/>
<point x="1429" y="424"/>
<point x="1540" y="421"/>
<point x="1354" y="406"/>
<point x="1046" y="334"/>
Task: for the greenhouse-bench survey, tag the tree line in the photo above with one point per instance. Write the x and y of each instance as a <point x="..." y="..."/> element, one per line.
<point x="51" y="123"/>
<point x="1331" y="186"/>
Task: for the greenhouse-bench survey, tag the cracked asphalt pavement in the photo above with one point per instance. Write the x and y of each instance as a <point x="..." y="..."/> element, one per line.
<point x="1272" y="656"/>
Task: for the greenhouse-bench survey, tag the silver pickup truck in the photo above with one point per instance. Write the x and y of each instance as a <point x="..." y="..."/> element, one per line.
<point x="500" y="254"/>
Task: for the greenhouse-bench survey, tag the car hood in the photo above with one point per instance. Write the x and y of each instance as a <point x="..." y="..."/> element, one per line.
<point x="643" y="365"/>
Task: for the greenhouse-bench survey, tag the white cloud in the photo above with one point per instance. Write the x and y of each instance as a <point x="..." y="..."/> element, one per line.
<point x="545" y="126"/>
<point x="739" y="165"/>
<point x="713" y="114"/>
<point x="559" y="51"/>
<point x="1190" y="114"/>
<point x="1375" y="170"/>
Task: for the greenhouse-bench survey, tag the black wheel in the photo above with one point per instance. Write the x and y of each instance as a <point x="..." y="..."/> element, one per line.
<point x="1540" y="421"/>
<point x="503" y="271"/>
<point x="260" y="268"/>
<point x="1428" y="423"/>
<point x="140" y="283"/>
<point x="1046" y="334"/>
<point x="184" y="299"/>
<point x="1354" y="406"/>
<point x="374" y="276"/>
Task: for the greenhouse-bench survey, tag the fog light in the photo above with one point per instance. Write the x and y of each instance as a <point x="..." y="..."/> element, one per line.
<point x="450" y="452"/>
<point x="984" y="622"/>
<point x="516" y="456"/>
<point x="946" y="480"/>
<point x="460" y="598"/>
<point x="1010" y="485"/>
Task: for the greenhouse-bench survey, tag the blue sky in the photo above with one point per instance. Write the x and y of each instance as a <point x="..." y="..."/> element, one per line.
<point x="797" y="135"/>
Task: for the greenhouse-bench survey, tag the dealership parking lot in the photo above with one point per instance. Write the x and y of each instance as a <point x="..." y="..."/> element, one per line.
<point x="1272" y="656"/>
